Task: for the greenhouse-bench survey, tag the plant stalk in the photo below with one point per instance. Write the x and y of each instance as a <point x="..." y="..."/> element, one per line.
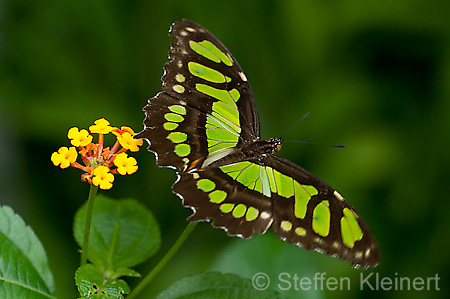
<point x="187" y="231"/>
<point x="87" y="227"/>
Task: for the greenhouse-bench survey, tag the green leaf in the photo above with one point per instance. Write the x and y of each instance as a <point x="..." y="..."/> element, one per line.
<point x="126" y="272"/>
<point x="215" y="285"/>
<point x="123" y="233"/>
<point x="24" y="269"/>
<point x="91" y="284"/>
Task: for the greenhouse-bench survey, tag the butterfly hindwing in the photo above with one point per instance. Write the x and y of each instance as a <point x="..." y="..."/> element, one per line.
<point x="213" y="195"/>
<point x="311" y="214"/>
<point x="246" y="198"/>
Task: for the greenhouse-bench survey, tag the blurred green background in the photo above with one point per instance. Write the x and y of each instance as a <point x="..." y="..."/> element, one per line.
<point x="374" y="76"/>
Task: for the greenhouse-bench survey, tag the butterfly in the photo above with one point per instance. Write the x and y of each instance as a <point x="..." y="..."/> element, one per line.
<point x="205" y="125"/>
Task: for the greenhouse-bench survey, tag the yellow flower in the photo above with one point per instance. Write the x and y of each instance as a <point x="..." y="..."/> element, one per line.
<point x="102" y="177"/>
<point x="127" y="141"/>
<point x="125" y="165"/>
<point x="64" y="157"/>
<point x="100" y="163"/>
<point x="79" y="138"/>
<point x="101" y="127"/>
<point x="122" y="130"/>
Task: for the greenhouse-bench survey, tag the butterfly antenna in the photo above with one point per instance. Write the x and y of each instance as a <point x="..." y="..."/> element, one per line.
<point x="339" y="146"/>
<point x="301" y="118"/>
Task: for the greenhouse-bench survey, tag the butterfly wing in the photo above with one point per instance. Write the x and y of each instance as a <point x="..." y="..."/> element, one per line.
<point x="246" y="197"/>
<point x="214" y="195"/>
<point x="207" y="105"/>
<point x="204" y="60"/>
<point x="311" y="214"/>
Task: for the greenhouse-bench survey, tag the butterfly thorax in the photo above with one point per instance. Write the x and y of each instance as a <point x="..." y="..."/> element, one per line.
<point x="257" y="150"/>
<point x="251" y="150"/>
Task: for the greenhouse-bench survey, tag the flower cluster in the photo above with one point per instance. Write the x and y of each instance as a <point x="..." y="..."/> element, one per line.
<point x="100" y="163"/>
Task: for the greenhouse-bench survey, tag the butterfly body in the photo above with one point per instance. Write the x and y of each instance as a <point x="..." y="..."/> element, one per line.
<point x="206" y="126"/>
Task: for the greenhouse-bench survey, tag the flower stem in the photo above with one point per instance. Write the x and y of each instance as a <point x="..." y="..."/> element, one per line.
<point x="87" y="227"/>
<point x="187" y="231"/>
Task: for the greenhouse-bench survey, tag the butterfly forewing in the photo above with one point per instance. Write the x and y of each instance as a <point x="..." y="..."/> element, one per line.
<point x="202" y="71"/>
<point x="175" y="131"/>
<point x="203" y="80"/>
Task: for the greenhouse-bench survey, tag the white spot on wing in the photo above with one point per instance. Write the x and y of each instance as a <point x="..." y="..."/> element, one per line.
<point x="243" y="77"/>
<point x="190" y="29"/>
<point x="338" y="196"/>
<point x="319" y="250"/>
<point x="265" y="215"/>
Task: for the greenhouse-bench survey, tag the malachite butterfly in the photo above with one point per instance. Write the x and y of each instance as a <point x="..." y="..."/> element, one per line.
<point x="205" y="125"/>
